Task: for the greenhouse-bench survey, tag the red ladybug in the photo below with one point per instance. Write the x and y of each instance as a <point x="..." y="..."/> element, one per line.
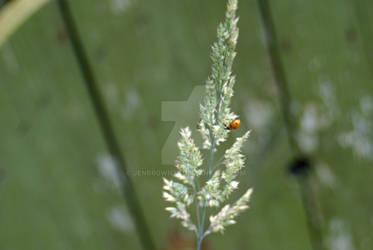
<point x="234" y="125"/>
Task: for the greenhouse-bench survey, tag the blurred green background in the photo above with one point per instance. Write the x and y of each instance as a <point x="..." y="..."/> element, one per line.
<point x="58" y="186"/>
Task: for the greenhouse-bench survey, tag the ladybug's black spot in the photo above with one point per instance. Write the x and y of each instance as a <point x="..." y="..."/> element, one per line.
<point x="301" y="166"/>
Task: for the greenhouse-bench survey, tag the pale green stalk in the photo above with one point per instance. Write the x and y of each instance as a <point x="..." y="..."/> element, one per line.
<point x="201" y="235"/>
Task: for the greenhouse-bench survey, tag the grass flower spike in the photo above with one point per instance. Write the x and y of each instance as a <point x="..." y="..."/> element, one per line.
<point x="219" y="181"/>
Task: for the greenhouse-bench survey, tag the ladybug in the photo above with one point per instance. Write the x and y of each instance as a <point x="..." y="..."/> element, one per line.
<point x="233" y="125"/>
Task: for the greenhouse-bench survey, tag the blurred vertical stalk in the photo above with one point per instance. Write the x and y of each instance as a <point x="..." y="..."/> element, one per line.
<point x="363" y="10"/>
<point x="106" y="126"/>
<point x="311" y="207"/>
<point x="302" y="168"/>
<point x="278" y="71"/>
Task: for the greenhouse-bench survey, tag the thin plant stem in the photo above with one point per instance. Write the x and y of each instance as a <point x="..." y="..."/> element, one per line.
<point x="307" y="194"/>
<point x="218" y="163"/>
<point x="106" y="126"/>
<point x="197" y="207"/>
<point x="209" y="172"/>
<point x="202" y="224"/>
